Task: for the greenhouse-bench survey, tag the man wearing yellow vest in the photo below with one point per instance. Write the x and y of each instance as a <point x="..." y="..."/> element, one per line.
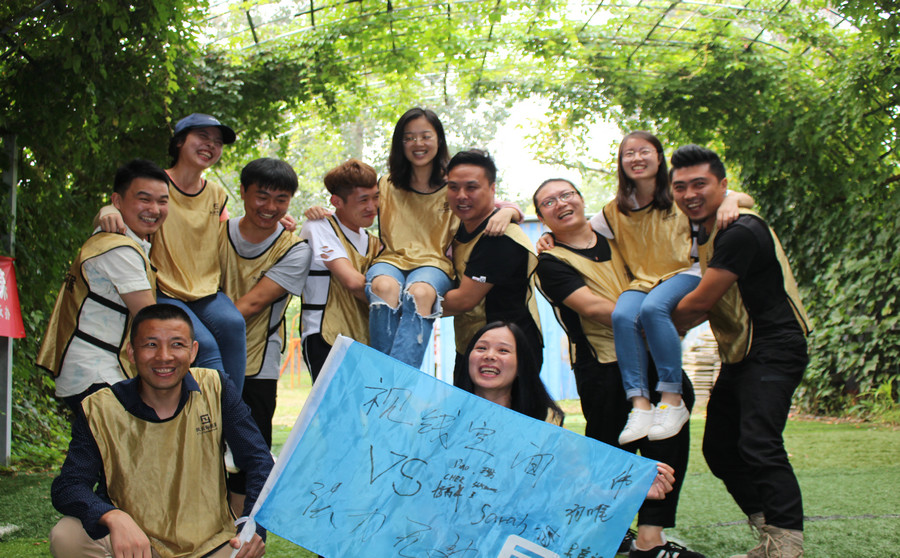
<point x="334" y="300"/>
<point x="755" y="312"/>
<point x="494" y="273"/>
<point x="110" y="280"/>
<point x="582" y="276"/>
<point x="262" y="266"/>
<point x="152" y="445"/>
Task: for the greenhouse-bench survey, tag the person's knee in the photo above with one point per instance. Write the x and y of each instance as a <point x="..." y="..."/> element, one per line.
<point x="387" y="289"/>
<point x="424" y="296"/>
<point x="68" y="539"/>
<point x="623" y="318"/>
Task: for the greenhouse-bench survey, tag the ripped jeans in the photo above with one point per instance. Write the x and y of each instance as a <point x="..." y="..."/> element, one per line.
<point x="402" y="332"/>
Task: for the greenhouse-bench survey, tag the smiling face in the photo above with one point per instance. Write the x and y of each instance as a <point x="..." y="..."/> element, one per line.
<point x="639" y="159"/>
<point x="698" y="193"/>
<point x="563" y="215"/>
<point x="492" y="363"/>
<point x="263" y="207"/>
<point x="420" y="142"/>
<point x="162" y="352"/>
<point x="202" y="147"/>
<point x="144" y="206"/>
<point x="360" y="208"/>
<point x="470" y="194"/>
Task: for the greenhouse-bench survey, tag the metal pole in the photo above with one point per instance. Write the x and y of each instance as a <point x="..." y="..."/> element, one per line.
<point x="10" y="179"/>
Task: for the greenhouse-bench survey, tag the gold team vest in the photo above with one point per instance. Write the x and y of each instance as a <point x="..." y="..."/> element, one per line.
<point x="729" y="319"/>
<point x="180" y="503"/>
<point x="185" y="247"/>
<point x="416" y="229"/>
<point x="467" y="325"/>
<point x="239" y="276"/>
<point x="64" y="326"/>
<point x="344" y="314"/>
<point x="655" y="244"/>
<point x="607" y="279"/>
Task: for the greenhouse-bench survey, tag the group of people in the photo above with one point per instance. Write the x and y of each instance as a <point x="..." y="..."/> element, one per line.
<point x="167" y="334"/>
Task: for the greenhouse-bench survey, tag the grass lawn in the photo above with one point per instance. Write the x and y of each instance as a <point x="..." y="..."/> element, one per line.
<point x="847" y="471"/>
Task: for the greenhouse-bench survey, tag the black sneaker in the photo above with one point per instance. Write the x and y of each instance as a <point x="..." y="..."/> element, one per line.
<point x="668" y="550"/>
<point x="625" y="547"/>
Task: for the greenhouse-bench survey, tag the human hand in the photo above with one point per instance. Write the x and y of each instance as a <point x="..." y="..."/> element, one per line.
<point x="316" y="212"/>
<point x="126" y="538"/>
<point x="662" y="483"/>
<point x="498" y="222"/>
<point x="254" y="548"/>
<point x="727" y="212"/>
<point x="288" y="222"/>
<point x="110" y="220"/>
<point x="545" y="242"/>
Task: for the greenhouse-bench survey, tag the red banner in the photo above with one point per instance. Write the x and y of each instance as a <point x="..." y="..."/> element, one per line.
<point x="10" y="314"/>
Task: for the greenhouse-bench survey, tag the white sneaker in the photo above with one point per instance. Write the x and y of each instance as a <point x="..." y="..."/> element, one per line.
<point x="668" y="421"/>
<point x="638" y="426"/>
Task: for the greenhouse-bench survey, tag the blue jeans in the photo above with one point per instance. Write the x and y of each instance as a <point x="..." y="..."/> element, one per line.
<point x="402" y="332"/>
<point x="651" y="312"/>
<point x="220" y="331"/>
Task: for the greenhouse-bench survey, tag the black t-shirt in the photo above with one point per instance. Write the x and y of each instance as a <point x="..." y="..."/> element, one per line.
<point x="559" y="280"/>
<point x="502" y="262"/>
<point x="747" y="249"/>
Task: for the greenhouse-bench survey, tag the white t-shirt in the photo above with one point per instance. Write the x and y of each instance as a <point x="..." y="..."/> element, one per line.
<point x="109" y="275"/>
<point x="289" y="273"/>
<point x="326" y="247"/>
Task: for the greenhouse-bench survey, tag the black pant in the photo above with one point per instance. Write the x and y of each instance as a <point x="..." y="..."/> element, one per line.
<point x="745" y="418"/>
<point x="315" y="351"/>
<point x="261" y="396"/>
<point x="606" y="411"/>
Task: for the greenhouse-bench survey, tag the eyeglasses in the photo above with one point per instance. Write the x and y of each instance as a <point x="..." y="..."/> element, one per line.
<point x="564" y="197"/>
<point x="645" y="153"/>
<point x="413" y="138"/>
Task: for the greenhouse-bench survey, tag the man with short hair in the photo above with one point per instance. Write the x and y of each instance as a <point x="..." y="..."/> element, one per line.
<point x="582" y="276"/>
<point x="152" y="445"/>
<point x="334" y="301"/>
<point x="756" y="314"/>
<point x="109" y="281"/>
<point x="494" y="272"/>
<point x="262" y="266"/>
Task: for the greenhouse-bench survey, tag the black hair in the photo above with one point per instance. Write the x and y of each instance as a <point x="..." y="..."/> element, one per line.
<point x="159" y="312"/>
<point x="175" y="145"/>
<point x="137" y="168"/>
<point x="534" y="200"/>
<point x="692" y="155"/>
<point x="269" y="174"/>
<point x="662" y="194"/>
<point x="400" y="168"/>
<point x="529" y="395"/>
<point x="477" y="157"/>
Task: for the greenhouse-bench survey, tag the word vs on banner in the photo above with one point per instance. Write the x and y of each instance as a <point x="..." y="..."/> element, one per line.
<point x="387" y="461"/>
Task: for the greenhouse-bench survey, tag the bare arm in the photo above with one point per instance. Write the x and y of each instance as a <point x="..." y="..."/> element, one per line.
<point x="465" y="297"/>
<point x="125" y="536"/>
<point x="693" y="307"/>
<point x="260" y="296"/>
<point x="590" y="305"/>
<point x="347" y="275"/>
<point x="137" y="300"/>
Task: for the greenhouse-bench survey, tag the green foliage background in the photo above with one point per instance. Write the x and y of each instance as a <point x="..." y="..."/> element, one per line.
<point x="801" y="97"/>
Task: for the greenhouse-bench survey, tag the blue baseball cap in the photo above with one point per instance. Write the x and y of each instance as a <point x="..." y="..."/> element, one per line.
<point x="198" y="120"/>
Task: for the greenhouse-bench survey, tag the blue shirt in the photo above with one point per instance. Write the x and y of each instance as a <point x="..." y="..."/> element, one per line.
<point x="74" y="493"/>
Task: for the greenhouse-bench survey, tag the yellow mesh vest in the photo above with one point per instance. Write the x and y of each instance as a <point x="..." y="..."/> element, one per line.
<point x="239" y="276"/>
<point x="655" y="244"/>
<point x="185" y="247"/>
<point x="467" y="325"/>
<point x="64" y="320"/>
<point x="168" y="475"/>
<point x="728" y="318"/>
<point x="345" y="314"/>
<point x="416" y="229"/>
<point x="607" y="279"/>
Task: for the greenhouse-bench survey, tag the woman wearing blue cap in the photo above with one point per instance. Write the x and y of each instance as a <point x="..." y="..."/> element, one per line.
<point x="184" y="250"/>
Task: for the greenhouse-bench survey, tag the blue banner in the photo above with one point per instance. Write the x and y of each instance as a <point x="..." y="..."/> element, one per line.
<point x="386" y="461"/>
